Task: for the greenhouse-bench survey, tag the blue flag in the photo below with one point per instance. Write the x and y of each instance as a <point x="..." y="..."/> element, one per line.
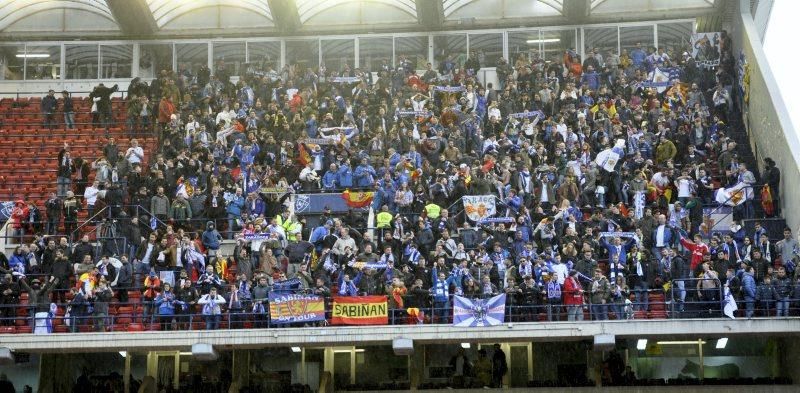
<point x="289" y="285"/>
<point x="153" y="223"/>
<point x="479" y="312"/>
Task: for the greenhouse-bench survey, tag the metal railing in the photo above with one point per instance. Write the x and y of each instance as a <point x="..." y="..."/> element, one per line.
<point x="140" y="313"/>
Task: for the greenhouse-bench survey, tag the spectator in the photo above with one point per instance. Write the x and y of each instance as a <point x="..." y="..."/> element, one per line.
<point x="49" y="107"/>
<point x="68" y="109"/>
<point x="212" y="313"/>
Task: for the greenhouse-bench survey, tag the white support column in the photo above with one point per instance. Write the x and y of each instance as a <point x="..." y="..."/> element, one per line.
<point x="283" y="55"/>
<point x="505" y="45"/>
<point x="430" y="49"/>
<point x="136" y="56"/>
<point x="582" y="44"/>
<point x="655" y="35"/>
<point x="210" y="59"/>
<point x="357" y="60"/>
<point x="63" y="62"/>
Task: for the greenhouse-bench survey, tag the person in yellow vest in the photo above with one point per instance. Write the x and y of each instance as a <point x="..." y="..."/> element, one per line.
<point x="384" y="218"/>
<point x="433" y="210"/>
<point x="291" y="227"/>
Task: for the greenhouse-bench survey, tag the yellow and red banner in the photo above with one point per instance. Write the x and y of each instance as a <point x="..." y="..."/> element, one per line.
<point x="356" y="199"/>
<point x="303" y="157"/>
<point x="360" y="310"/>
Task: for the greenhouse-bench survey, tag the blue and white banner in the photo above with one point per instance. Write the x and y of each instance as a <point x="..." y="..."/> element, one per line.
<point x="479" y="312"/>
<point x="291" y="284"/>
<point x="729" y="306"/>
<point x="256" y="236"/>
<point x="479" y="207"/>
<point x="527" y="114"/>
<point x="272" y="75"/>
<point x="449" y="89"/>
<point x="368" y="265"/>
<point x="414" y="113"/>
<point x="345" y="79"/>
<point x="495" y="220"/>
<point x="6" y="208"/>
<point x="630" y="235"/>
<point x="607" y="159"/>
<point x="659" y="79"/>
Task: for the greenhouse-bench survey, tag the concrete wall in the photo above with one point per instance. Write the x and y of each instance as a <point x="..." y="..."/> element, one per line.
<point x="766" y="116"/>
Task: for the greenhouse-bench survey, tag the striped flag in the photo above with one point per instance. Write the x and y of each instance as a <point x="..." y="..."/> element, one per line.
<point x="479" y="312"/>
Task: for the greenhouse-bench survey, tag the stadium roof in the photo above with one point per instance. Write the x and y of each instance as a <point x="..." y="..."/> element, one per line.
<point x="166" y="18"/>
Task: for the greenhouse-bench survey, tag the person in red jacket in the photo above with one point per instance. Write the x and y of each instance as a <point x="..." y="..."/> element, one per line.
<point x="19" y="216"/>
<point x="697" y="248"/>
<point x="165" y="110"/>
<point x="573" y="297"/>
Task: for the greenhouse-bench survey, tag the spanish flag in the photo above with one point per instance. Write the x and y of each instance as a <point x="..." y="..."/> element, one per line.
<point x="360" y="310"/>
<point x="766" y="200"/>
<point x="303" y="157"/>
<point x="358" y="198"/>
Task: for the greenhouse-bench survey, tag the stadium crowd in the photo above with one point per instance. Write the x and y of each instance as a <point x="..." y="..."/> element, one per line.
<point x="600" y="178"/>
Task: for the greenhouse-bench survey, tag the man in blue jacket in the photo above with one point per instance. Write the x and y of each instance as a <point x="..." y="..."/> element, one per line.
<point x="749" y="290"/>
<point x="234" y="211"/>
<point x="211" y="239"/>
<point x="330" y="178"/>
<point x="365" y="174"/>
<point x="662" y="236"/>
<point x="344" y="177"/>
<point x="616" y="247"/>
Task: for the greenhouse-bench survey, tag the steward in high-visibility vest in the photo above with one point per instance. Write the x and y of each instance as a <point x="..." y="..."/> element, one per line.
<point x="384" y="218"/>
<point x="290" y="227"/>
<point x="433" y="210"/>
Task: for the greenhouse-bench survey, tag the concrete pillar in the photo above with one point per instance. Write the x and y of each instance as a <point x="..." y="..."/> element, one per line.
<point x="416" y="366"/>
<point x="53" y="376"/>
<point x="240" y="369"/>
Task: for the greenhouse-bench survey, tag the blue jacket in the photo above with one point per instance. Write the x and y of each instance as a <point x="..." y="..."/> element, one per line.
<point x="164" y="301"/>
<point x="18" y="260"/>
<point x="246" y="157"/>
<point x="311" y="128"/>
<point x="351" y="288"/>
<point x="256" y="209"/>
<point x="235" y="206"/>
<point x="440" y="294"/>
<point x="345" y="177"/>
<point x="365" y="176"/>
<point x="329" y="180"/>
<point x="749" y="286"/>
<point x="623" y="249"/>
<point x="211" y="239"/>
<point x="668" y="238"/>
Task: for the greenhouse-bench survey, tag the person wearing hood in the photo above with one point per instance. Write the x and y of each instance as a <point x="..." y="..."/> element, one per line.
<point x="211" y="239"/>
<point x="19" y="216"/>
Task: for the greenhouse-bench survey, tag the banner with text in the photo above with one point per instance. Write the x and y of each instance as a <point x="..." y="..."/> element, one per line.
<point x="291" y="308"/>
<point x="479" y="207"/>
<point x="360" y="310"/>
